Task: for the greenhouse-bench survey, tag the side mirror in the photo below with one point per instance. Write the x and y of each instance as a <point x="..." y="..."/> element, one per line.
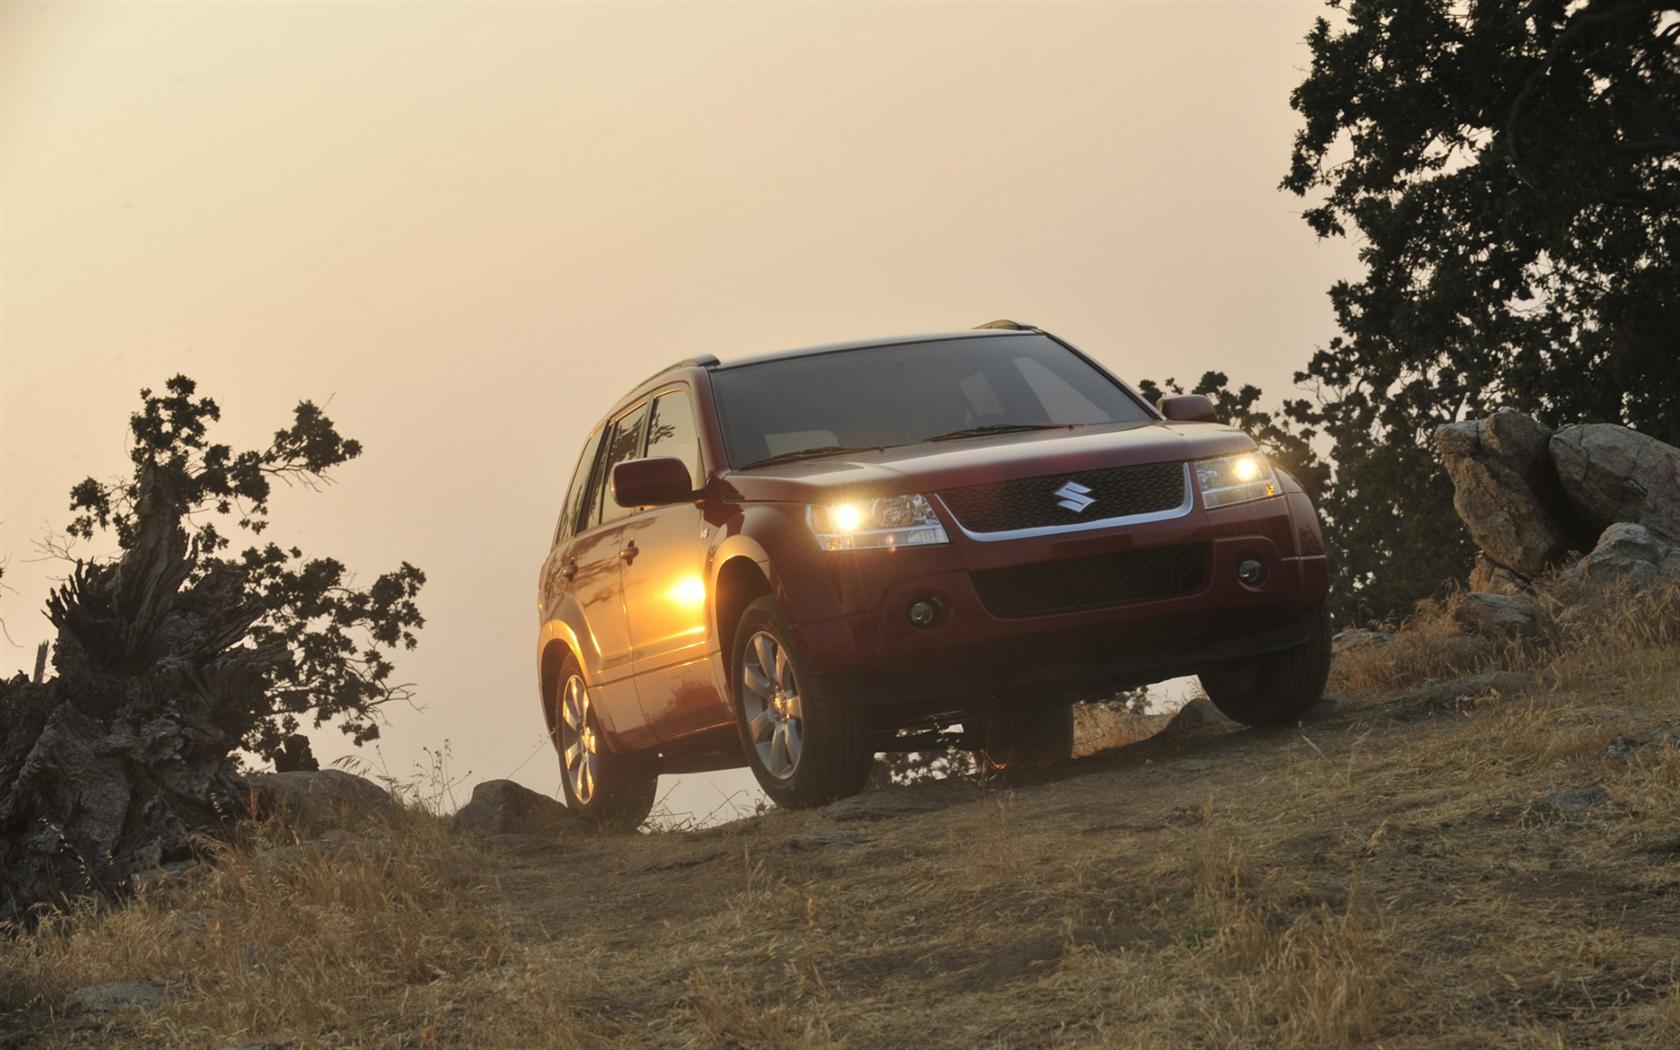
<point x="651" y="482"/>
<point x="1188" y="408"/>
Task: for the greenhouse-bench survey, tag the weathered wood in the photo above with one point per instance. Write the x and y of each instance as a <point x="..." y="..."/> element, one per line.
<point x="40" y="663"/>
<point x="119" y="762"/>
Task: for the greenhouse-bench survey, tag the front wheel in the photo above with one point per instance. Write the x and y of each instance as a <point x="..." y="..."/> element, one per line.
<point x="1275" y="689"/>
<point x="605" y="789"/>
<point x="805" y="746"/>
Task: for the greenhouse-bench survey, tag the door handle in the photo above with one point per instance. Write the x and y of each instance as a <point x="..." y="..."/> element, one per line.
<point x="629" y="552"/>
<point x="570" y="569"/>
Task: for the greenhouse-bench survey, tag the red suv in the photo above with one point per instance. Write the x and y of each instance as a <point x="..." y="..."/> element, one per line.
<point x="797" y="560"/>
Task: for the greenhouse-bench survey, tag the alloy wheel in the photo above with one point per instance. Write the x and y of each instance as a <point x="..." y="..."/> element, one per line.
<point x="580" y="740"/>
<point x="770" y="702"/>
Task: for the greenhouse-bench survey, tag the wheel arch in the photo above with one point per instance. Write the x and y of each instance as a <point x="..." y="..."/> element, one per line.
<point x="556" y="643"/>
<point x="740" y="580"/>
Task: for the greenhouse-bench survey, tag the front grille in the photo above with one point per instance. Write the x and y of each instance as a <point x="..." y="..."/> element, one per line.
<point x="1097" y="582"/>
<point x="1029" y="503"/>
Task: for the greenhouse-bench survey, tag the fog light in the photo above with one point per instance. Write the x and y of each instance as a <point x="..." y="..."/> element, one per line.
<point x="923" y="612"/>
<point x="1251" y="571"/>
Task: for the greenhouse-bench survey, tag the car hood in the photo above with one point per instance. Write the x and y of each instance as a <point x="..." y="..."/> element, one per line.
<point x="939" y="465"/>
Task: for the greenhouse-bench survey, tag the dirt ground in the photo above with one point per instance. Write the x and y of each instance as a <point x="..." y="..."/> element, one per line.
<point x="1491" y="863"/>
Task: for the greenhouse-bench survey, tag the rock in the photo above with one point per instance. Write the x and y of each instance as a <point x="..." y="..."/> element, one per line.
<point x="339" y="844"/>
<point x="1489" y="577"/>
<point x="1612" y="474"/>
<point x="1464" y="652"/>
<point x="1498" y="616"/>
<point x="898" y="802"/>
<point x="1505" y="490"/>
<point x="1621" y="747"/>
<point x="1567" y="804"/>
<point x="1627" y="555"/>
<point x="163" y="877"/>
<point x="679" y="861"/>
<point x="1195" y="716"/>
<point x="501" y="807"/>
<point x="524" y="845"/>
<point x="1356" y="638"/>
<point x="825" y="840"/>
<point x="336" y="845"/>
<point x="1330" y="706"/>
<point x="99" y="1000"/>
<point x="316" y="800"/>
<point x="1458" y="694"/>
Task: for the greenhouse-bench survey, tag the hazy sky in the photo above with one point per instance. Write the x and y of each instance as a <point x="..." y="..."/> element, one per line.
<point x="470" y="227"/>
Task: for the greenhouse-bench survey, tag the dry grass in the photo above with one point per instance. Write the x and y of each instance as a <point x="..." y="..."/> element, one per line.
<point x="1371" y="878"/>
<point x="1574" y="639"/>
<point x="394" y="939"/>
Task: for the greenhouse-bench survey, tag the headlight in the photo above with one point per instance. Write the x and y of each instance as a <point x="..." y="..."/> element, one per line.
<point x="1235" y="479"/>
<point x="891" y="521"/>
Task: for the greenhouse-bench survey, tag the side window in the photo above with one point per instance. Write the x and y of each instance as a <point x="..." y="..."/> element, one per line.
<point x="625" y="443"/>
<point x="672" y="432"/>
<point x="578" y="494"/>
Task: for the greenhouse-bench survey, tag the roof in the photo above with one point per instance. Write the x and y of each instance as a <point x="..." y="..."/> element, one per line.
<point x="860" y="344"/>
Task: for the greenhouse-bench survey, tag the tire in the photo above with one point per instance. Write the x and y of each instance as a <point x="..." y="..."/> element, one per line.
<point x="1029" y="739"/>
<point x="804" y="745"/>
<point x="600" y="787"/>
<point x="1275" y="689"/>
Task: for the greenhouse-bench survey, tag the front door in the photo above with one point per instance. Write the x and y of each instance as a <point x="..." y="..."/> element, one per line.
<point x="665" y="589"/>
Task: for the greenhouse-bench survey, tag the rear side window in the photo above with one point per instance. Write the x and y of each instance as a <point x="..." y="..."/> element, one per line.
<point x="625" y="443"/>
<point x="672" y="432"/>
<point x="578" y="494"/>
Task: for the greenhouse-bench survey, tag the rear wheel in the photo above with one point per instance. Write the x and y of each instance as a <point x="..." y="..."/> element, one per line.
<point x="1275" y="689"/>
<point x="1028" y="739"/>
<point x="804" y="745"/>
<point x="601" y="787"/>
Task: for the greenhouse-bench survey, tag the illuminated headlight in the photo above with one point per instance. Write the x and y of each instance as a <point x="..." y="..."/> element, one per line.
<point x="1235" y="479"/>
<point x="891" y="521"/>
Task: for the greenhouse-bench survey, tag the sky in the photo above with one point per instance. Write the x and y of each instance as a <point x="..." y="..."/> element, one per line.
<point x="468" y="228"/>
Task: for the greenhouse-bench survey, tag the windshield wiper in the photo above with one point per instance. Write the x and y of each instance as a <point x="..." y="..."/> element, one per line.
<point x="817" y="452"/>
<point x="999" y="428"/>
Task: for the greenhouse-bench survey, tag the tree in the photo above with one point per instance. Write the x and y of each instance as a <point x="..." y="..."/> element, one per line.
<point x="325" y="641"/>
<point x="1512" y="171"/>
<point x="173" y="654"/>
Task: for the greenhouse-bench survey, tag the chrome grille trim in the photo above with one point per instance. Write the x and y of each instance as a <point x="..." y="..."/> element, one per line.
<point x="1179" y="511"/>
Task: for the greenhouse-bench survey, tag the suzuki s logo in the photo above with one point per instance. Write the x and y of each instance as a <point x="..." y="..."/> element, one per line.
<point x="1074" y="496"/>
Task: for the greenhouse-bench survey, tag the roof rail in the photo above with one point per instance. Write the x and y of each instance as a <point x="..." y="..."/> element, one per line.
<point x="698" y="361"/>
<point x="1004" y="322"/>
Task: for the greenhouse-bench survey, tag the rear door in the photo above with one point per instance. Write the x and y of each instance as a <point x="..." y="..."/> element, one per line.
<point x="594" y="562"/>
<point x="665" y="586"/>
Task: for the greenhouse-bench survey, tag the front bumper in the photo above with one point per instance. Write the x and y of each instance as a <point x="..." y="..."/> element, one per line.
<point x="973" y="656"/>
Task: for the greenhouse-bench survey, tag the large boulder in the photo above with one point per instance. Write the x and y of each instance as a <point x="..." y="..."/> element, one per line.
<point x="313" y="801"/>
<point x="501" y="807"/>
<point x="1506" y="492"/>
<point x="1490" y="577"/>
<point x="1612" y="474"/>
<point x="1627" y="555"/>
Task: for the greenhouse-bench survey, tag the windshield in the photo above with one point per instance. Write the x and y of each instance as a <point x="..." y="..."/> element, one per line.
<point x="899" y="395"/>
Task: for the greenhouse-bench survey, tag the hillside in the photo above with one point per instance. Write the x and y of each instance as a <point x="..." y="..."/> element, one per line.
<point x="1487" y="860"/>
